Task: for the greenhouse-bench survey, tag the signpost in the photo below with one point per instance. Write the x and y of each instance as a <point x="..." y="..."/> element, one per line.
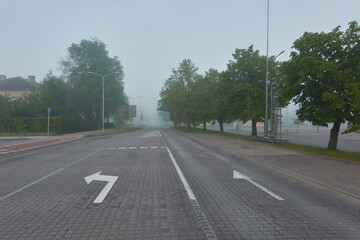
<point x="48" y="126"/>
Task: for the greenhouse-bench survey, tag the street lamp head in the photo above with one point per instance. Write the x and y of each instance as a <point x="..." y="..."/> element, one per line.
<point x="280" y="54"/>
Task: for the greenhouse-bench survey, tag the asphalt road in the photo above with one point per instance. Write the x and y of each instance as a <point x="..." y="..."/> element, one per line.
<point x="159" y="184"/>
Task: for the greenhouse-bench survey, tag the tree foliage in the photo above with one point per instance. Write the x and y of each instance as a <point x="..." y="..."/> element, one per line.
<point x="245" y="81"/>
<point x="76" y="97"/>
<point x="177" y="93"/>
<point x="85" y="90"/>
<point x="323" y="77"/>
<point x="204" y="97"/>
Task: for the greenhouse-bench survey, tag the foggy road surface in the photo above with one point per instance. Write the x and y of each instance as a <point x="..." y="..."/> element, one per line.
<point x="161" y="184"/>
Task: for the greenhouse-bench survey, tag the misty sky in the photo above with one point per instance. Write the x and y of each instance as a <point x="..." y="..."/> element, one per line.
<point x="152" y="37"/>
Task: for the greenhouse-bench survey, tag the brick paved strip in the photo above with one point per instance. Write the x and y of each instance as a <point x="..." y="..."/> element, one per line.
<point x="209" y="232"/>
<point x="31" y="145"/>
<point x="45" y="177"/>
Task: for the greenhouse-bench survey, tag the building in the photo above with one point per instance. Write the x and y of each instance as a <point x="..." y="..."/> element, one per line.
<point x="17" y="86"/>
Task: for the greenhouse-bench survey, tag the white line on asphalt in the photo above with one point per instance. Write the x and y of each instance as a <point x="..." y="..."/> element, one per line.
<point x="208" y="230"/>
<point x="154" y="147"/>
<point x="122" y="148"/>
<point x="143" y="147"/>
<point x="45" y="177"/>
<point x="159" y="133"/>
<point x="239" y="175"/>
<point x="112" y="148"/>
<point x="182" y="177"/>
<point x="132" y="147"/>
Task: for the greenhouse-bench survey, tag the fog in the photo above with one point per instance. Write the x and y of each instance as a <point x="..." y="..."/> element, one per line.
<point x="152" y="37"/>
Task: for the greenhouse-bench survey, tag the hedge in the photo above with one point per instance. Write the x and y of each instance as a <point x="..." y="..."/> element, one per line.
<point x="30" y="125"/>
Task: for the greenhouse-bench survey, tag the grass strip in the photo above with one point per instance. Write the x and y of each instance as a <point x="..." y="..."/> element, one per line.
<point x="114" y="131"/>
<point x="353" y="156"/>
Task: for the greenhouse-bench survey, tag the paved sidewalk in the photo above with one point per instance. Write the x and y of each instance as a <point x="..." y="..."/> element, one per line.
<point x="335" y="174"/>
<point x="32" y="142"/>
<point x="307" y="136"/>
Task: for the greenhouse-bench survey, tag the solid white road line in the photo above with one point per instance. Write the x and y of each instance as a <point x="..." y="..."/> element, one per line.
<point x="239" y="175"/>
<point x="45" y="177"/>
<point x="182" y="177"/>
<point x="208" y="230"/>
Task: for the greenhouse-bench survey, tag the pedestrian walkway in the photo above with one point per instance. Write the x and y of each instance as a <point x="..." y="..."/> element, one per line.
<point x="308" y="136"/>
<point x="27" y="143"/>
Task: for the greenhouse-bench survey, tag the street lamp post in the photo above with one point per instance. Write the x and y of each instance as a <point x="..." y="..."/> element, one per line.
<point x="266" y="125"/>
<point x="266" y="128"/>
<point x="103" y="93"/>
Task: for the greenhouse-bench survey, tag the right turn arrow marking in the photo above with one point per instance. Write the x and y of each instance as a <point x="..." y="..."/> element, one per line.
<point x="239" y="175"/>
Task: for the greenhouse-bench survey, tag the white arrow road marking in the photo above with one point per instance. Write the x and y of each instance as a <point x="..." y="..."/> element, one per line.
<point x="239" y="175"/>
<point x="97" y="177"/>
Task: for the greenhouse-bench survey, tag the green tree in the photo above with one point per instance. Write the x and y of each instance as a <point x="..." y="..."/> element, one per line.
<point x="5" y="112"/>
<point x="85" y="90"/>
<point x="54" y="93"/>
<point x="204" y="97"/>
<point x="323" y="77"/>
<point x="222" y="106"/>
<point x="173" y="99"/>
<point x="28" y="105"/>
<point x="245" y="79"/>
<point x="176" y="95"/>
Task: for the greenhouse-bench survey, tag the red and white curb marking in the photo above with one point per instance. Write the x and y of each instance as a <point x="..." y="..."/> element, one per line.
<point x="33" y="144"/>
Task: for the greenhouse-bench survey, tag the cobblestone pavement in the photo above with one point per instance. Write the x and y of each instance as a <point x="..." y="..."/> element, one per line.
<point x="169" y="186"/>
<point x="148" y="201"/>
<point x="239" y="210"/>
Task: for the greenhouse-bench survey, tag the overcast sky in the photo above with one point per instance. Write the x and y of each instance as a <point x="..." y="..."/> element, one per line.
<point x="152" y="37"/>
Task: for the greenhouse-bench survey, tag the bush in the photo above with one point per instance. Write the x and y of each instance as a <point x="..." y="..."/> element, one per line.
<point x="30" y="125"/>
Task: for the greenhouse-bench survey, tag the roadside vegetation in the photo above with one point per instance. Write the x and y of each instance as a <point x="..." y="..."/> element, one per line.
<point x="322" y="76"/>
<point x="75" y="97"/>
<point x="114" y="131"/>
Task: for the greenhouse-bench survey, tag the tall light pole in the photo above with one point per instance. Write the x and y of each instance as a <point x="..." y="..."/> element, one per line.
<point x="266" y="125"/>
<point x="266" y="128"/>
<point x="103" y="93"/>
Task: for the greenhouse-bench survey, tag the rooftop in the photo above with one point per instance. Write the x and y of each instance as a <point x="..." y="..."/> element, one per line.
<point x="18" y="84"/>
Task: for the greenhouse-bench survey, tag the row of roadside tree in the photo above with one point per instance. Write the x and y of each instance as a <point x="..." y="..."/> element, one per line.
<point x="322" y="77"/>
<point x="76" y="95"/>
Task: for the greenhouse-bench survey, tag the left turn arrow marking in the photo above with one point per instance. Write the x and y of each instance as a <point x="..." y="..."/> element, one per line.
<point x="97" y="177"/>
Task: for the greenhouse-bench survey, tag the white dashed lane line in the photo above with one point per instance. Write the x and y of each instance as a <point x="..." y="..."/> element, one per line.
<point x="131" y="148"/>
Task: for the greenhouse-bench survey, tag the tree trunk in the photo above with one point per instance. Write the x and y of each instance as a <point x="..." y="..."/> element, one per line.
<point x="188" y="122"/>
<point x="221" y="126"/>
<point x="253" y="127"/>
<point x="194" y="125"/>
<point x="204" y="125"/>
<point x="334" y="133"/>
